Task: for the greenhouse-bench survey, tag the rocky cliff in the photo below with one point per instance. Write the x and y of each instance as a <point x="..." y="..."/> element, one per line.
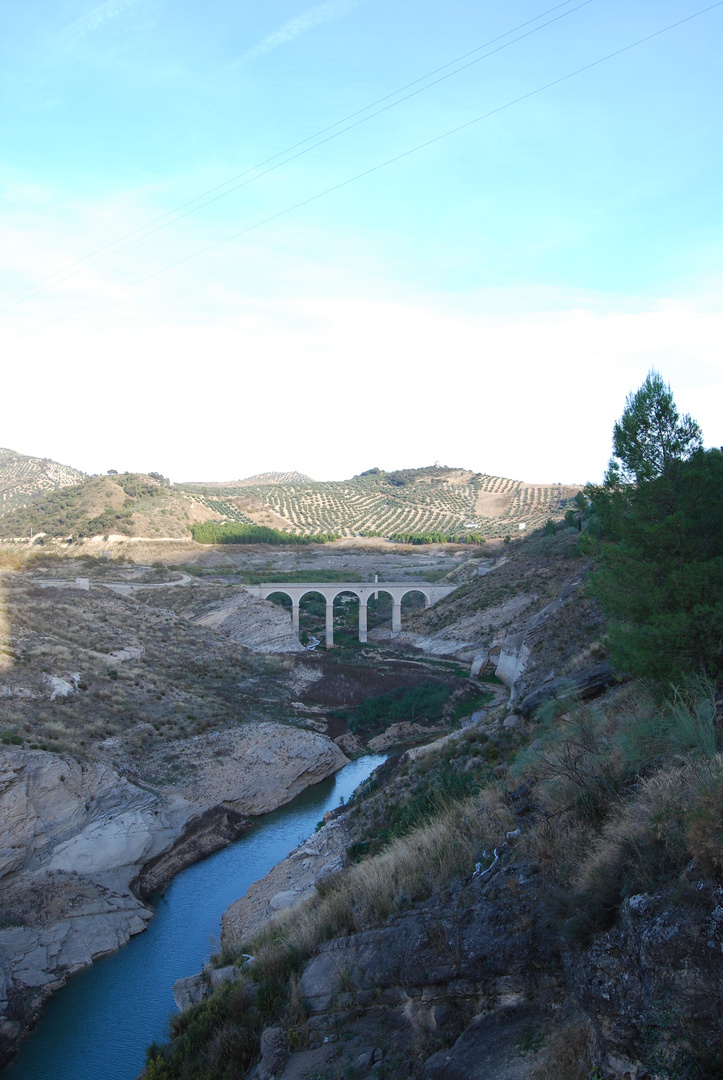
<point x="563" y="921"/>
<point x="80" y="844"/>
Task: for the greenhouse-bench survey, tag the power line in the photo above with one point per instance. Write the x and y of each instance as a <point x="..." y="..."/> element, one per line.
<point x="70" y="271"/>
<point x="376" y="168"/>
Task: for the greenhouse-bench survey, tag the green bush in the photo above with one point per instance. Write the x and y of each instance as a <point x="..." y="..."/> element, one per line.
<point x="210" y="532"/>
<point x="417" y="703"/>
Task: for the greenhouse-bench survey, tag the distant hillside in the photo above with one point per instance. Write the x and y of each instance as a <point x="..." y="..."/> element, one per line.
<point x="260" y="478"/>
<point x="129" y="504"/>
<point x="436" y="500"/>
<point x="23" y="478"/>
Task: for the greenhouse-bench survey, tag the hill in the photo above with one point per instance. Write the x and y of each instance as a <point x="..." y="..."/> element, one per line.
<point x="433" y="503"/>
<point x="263" y="478"/>
<point x="24" y="478"/>
<point x="391" y="504"/>
<point x="129" y="504"/>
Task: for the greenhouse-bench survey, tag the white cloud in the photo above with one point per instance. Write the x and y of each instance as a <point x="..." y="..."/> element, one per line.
<point x="95" y="18"/>
<point x="315" y="16"/>
<point x="292" y="350"/>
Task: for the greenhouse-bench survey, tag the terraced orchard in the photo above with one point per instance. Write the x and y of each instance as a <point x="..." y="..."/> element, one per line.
<point x="23" y="478"/>
<point x="437" y="501"/>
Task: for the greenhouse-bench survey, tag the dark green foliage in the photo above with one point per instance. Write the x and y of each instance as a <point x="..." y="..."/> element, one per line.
<point x="421" y="703"/>
<point x="660" y="569"/>
<point x="140" y="487"/>
<point x="469" y="705"/>
<point x="420" y="538"/>
<point x="651" y="435"/>
<point x="447" y="785"/>
<point x="209" y="532"/>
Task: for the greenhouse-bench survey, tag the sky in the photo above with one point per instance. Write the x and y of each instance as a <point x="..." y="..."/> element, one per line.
<point x="241" y="237"/>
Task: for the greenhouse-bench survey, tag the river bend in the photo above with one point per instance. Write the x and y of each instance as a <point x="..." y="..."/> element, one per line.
<point x="98" y="1026"/>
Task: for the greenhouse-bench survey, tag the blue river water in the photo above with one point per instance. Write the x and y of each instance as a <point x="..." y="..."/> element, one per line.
<point x="98" y="1026"/>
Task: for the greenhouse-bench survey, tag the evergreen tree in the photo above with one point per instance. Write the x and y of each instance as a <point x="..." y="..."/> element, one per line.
<point x="650" y="435"/>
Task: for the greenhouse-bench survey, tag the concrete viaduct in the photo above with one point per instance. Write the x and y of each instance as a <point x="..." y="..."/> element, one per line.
<point x="396" y="589"/>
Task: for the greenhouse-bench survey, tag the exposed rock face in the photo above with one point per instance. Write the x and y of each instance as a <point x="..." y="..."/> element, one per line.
<point x="258" y="624"/>
<point x="290" y="881"/>
<point x="398" y="734"/>
<point x="475" y="972"/>
<point x="586" y="683"/>
<point x="257" y="767"/>
<point x="59" y="815"/>
<point x="654" y="982"/>
<point x="72" y="836"/>
<point x="516" y="648"/>
<point x="274" y="1052"/>
<point x="481" y="970"/>
<point x="463" y="637"/>
<point x="204" y="834"/>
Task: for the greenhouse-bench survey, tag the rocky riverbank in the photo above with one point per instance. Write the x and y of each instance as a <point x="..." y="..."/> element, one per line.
<point x="81" y="847"/>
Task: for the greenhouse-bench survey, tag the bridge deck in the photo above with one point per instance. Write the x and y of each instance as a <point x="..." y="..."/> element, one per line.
<point x="295" y="590"/>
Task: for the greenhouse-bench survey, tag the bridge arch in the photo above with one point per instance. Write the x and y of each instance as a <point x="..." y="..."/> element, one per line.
<point x="415" y="592"/>
<point x="396" y="590"/>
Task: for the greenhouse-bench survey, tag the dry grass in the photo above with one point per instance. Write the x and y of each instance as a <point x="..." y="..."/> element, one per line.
<point x="187" y="681"/>
<point x="412" y="869"/>
<point x="675" y="816"/>
<point x="566" y="1054"/>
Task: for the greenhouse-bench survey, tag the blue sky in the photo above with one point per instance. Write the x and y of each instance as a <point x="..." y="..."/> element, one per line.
<point x="487" y="300"/>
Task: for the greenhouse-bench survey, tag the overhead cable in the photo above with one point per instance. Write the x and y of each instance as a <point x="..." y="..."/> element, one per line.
<point x="382" y="165"/>
<point x="215" y="193"/>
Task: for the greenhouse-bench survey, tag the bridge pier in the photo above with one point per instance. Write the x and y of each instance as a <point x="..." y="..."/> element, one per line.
<point x="330" y="623"/>
<point x="295" y="616"/>
<point x="362" y="620"/>
<point x="396" y="617"/>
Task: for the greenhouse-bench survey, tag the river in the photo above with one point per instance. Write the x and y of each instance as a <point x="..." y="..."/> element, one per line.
<point x="99" y="1024"/>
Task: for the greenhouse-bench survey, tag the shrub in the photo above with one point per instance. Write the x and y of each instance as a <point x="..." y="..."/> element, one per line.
<point x="210" y="532"/>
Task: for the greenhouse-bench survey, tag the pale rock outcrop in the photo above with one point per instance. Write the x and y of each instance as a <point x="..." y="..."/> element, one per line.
<point x="72" y="837"/>
<point x="258" y="624"/>
<point x="289" y="882"/>
<point x="59" y="814"/>
<point x="75" y="835"/>
<point x="466" y="637"/>
<point x="516" y="648"/>
<point x="258" y="767"/>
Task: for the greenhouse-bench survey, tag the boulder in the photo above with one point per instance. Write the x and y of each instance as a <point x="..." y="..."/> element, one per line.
<point x="189" y="991"/>
<point x="230" y="973"/>
<point x="585" y="683"/>
<point x="274" y="1052"/>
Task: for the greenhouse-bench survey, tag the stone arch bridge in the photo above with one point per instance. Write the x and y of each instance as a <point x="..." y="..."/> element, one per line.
<point x="396" y="589"/>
